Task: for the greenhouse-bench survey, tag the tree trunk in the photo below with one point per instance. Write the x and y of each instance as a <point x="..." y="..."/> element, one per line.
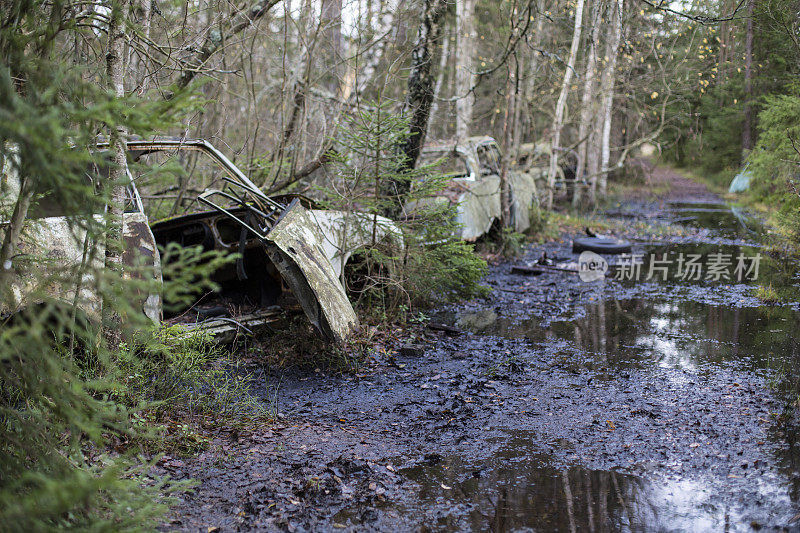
<point x="331" y="16"/>
<point x="747" y="123"/>
<point x="587" y="102"/>
<point x="140" y="61"/>
<point x="13" y="231"/>
<point x="593" y="155"/>
<point x="386" y="20"/>
<point x="519" y="99"/>
<point x="558" y="120"/>
<point x="437" y="90"/>
<point x="529" y="89"/>
<point x="608" y="83"/>
<point x="117" y="176"/>
<point x="512" y="87"/>
<point x="418" y="100"/>
<point x="724" y="43"/>
<point x="465" y="78"/>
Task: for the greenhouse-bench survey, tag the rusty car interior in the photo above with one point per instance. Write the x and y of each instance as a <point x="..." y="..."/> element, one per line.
<point x="229" y="216"/>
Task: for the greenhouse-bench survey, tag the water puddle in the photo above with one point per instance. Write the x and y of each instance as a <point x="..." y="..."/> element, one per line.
<point x="683" y="334"/>
<point x="516" y="490"/>
<point x="721" y="219"/>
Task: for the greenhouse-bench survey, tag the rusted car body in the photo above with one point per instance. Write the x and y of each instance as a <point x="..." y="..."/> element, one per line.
<point x="474" y="169"/>
<point x="288" y="254"/>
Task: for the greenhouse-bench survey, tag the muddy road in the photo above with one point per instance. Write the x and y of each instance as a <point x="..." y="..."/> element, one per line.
<point x="660" y="404"/>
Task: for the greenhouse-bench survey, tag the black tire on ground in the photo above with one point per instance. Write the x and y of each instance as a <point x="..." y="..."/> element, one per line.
<point x="600" y="246"/>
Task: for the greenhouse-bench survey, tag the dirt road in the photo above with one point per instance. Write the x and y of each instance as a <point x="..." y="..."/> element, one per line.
<point x="649" y="404"/>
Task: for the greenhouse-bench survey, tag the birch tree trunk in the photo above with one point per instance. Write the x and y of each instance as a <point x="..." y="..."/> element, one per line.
<point x="118" y="174"/>
<point x="587" y="101"/>
<point x="373" y="58"/>
<point x="465" y="78"/>
<point x="609" y="81"/>
<point x="437" y="90"/>
<point x="558" y="120"/>
<point x="331" y="16"/>
<point x="529" y="89"/>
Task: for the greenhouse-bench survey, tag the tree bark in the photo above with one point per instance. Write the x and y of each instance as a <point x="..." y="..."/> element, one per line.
<point x="117" y="175"/>
<point x="588" y="99"/>
<point x="437" y="90"/>
<point x="608" y="82"/>
<point x="14" y="230"/>
<point x="465" y="78"/>
<point x="386" y="20"/>
<point x="418" y="100"/>
<point x="529" y="89"/>
<point x="558" y="120"/>
<point x="139" y="66"/>
<point x="331" y="16"/>
<point x="512" y="88"/>
<point x="724" y="43"/>
<point x="747" y="122"/>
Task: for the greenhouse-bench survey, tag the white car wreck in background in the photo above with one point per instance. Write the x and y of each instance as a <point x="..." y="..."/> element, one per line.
<point x="474" y="169"/>
<point x="286" y="251"/>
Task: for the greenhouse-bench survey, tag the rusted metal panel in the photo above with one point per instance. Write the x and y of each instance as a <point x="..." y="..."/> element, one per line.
<point x="47" y="266"/>
<point x="343" y="233"/>
<point x="479" y="206"/>
<point x="301" y="260"/>
<point x="49" y="258"/>
<point x="143" y="262"/>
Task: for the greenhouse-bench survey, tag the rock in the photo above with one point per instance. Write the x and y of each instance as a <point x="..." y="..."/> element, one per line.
<point x="412" y="350"/>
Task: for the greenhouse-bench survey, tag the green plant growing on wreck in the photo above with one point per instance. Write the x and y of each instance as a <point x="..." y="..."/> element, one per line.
<point x="433" y="265"/>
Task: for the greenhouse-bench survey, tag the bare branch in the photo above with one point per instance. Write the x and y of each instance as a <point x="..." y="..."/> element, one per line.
<point x="239" y="22"/>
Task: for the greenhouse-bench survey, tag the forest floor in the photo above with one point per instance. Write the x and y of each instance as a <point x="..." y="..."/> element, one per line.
<point x="649" y="404"/>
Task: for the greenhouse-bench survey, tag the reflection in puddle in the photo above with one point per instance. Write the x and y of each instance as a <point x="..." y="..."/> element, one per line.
<point x="683" y="334"/>
<point x="516" y="490"/>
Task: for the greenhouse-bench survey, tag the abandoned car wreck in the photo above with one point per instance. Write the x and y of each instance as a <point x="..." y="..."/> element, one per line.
<point x="474" y="169"/>
<point x="287" y="254"/>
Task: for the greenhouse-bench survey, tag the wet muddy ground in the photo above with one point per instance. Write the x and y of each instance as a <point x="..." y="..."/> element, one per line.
<point x="559" y="405"/>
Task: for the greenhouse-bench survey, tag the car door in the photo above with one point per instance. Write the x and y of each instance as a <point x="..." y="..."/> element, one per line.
<point x="481" y="207"/>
